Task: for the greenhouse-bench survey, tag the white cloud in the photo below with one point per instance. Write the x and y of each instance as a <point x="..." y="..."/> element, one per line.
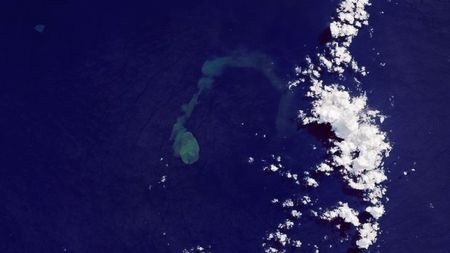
<point x="344" y="212"/>
<point x="361" y="146"/>
<point x="368" y="235"/>
<point x="375" y="211"/>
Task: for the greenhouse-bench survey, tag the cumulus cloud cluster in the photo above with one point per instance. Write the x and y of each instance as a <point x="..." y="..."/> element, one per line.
<point x="351" y="16"/>
<point x="344" y="212"/>
<point x="360" y="146"/>
<point x="197" y="249"/>
<point x="358" y="153"/>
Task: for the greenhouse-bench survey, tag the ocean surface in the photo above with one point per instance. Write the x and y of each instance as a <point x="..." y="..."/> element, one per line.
<point x="90" y="91"/>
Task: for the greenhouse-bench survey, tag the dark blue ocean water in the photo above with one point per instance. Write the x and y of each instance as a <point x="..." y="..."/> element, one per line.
<point x="87" y="108"/>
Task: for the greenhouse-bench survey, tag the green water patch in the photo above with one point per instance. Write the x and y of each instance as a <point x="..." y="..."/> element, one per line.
<point x="185" y="145"/>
